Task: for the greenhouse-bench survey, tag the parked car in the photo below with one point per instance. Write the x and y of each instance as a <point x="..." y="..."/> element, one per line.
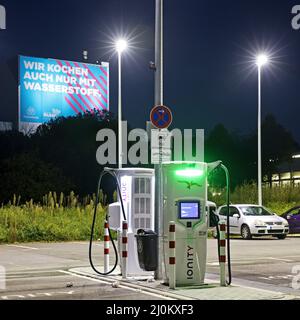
<point x="250" y="220"/>
<point x="293" y="218"/>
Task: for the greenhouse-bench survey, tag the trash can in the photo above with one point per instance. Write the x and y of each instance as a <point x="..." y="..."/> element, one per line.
<point x="147" y="249"/>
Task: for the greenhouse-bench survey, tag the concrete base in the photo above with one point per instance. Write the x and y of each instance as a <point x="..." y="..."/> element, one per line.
<point x="210" y="291"/>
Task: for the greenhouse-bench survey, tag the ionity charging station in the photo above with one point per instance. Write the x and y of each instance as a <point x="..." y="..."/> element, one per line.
<point x="185" y="210"/>
<point x="185" y="198"/>
<point x="161" y="216"/>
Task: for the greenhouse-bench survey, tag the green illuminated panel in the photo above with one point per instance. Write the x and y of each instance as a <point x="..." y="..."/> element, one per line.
<point x="189" y="173"/>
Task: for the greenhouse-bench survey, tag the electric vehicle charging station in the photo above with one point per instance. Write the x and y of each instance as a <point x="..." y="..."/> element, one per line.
<point x="137" y="192"/>
<point x="135" y="205"/>
<point x="185" y="200"/>
<point x="184" y="187"/>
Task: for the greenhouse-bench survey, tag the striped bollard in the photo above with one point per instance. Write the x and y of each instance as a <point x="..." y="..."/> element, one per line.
<point x="172" y="255"/>
<point x="124" y="248"/>
<point x="222" y="258"/>
<point x="106" y="247"/>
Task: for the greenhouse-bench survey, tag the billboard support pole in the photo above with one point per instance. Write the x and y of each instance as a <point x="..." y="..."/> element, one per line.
<point x="159" y="101"/>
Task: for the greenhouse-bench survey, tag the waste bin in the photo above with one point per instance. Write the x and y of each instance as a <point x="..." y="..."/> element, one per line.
<point x="147" y="249"/>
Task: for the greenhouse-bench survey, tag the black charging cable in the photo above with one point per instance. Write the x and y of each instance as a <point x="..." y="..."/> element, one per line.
<point x="113" y="174"/>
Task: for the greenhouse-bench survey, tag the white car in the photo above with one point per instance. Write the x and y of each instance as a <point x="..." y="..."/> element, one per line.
<point x="250" y="220"/>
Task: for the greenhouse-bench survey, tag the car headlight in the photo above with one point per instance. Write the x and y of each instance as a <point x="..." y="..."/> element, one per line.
<point x="285" y="223"/>
<point x="259" y="223"/>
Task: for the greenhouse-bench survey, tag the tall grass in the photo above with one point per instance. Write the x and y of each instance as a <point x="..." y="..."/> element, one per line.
<point x="278" y="199"/>
<point x="66" y="218"/>
<point x="57" y="218"/>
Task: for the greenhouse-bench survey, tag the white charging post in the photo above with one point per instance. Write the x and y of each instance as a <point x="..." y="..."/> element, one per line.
<point x="185" y="199"/>
<point x="137" y="191"/>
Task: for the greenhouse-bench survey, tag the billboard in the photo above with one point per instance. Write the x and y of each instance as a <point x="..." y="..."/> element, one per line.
<point x="50" y="88"/>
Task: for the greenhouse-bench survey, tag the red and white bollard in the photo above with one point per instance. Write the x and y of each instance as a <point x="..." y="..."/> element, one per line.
<point x="124" y="248"/>
<point x="172" y="255"/>
<point x="222" y="258"/>
<point x="106" y="247"/>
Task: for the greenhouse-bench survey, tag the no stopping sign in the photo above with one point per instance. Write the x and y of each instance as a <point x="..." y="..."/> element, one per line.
<point x="161" y="117"/>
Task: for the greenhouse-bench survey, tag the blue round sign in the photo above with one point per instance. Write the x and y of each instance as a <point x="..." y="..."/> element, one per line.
<point x="161" y="117"/>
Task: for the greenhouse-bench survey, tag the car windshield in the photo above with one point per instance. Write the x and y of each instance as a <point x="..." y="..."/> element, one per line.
<point x="255" y="211"/>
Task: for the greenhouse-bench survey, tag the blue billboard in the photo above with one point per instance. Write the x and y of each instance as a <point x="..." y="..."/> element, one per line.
<point x="50" y="88"/>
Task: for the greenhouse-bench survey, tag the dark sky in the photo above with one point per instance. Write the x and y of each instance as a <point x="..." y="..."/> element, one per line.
<point x="208" y="50"/>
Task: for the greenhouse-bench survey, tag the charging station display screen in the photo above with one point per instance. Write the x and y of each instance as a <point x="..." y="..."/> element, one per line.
<point x="189" y="210"/>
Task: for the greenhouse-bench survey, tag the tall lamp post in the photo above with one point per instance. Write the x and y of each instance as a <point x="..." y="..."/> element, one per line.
<point x="159" y="97"/>
<point x="121" y="46"/>
<point x="261" y="60"/>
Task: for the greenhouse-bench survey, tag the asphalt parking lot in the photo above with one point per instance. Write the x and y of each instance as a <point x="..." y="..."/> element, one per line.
<point x="40" y="270"/>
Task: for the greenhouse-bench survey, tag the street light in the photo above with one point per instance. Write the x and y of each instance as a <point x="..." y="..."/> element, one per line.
<point x="261" y="60"/>
<point x="121" y="46"/>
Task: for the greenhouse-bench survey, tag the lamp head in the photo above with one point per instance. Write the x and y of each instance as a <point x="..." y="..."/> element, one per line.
<point x="261" y="60"/>
<point x="121" y="45"/>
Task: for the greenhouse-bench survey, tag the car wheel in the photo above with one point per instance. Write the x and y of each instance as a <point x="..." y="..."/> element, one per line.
<point x="281" y="236"/>
<point x="245" y="232"/>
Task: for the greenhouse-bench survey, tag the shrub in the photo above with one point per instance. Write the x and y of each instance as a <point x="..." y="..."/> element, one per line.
<point x="278" y="199"/>
<point x="61" y="218"/>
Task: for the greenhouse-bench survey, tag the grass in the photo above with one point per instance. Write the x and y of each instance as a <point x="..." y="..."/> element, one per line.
<point x="65" y="218"/>
<point x="56" y="219"/>
<point x="278" y="199"/>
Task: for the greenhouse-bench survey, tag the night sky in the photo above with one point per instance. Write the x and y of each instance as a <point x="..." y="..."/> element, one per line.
<point x="209" y="45"/>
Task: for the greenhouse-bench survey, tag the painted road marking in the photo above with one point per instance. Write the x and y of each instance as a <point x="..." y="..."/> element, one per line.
<point x="137" y="289"/>
<point x="21" y="247"/>
<point x="86" y="244"/>
<point x="279" y="259"/>
<point x="284" y="277"/>
<point x="216" y="263"/>
<point x="36" y="295"/>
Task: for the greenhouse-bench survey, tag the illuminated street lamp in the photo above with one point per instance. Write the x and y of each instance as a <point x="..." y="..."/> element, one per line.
<point x="261" y="60"/>
<point x="121" y="46"/>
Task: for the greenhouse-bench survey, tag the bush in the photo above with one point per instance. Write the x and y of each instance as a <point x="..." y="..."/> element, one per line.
<point x="29" y="176"/>
<point x="278" y="199"/>
<point x="51" y="221"/>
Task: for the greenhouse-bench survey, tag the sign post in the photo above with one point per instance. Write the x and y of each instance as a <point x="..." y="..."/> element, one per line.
<point x="161" y="118"/>
<point x="159" y="86"/>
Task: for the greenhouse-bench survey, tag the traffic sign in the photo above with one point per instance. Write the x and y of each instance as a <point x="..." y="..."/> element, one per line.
<point x="161" y="117"/>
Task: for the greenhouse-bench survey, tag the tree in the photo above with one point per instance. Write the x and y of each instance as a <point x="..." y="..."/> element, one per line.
<point x="27" y="176"/>
<point x="13" y="143"/>
<point x="225" y="146"/>
<point x="239" y="153"/>
<point x="70" y="145"/>
<point x="278" y="145"/>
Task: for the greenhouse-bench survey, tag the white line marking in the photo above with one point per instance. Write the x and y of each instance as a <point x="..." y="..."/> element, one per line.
<point x="279" y="259"/>
<point x="253" y="259"/>
<point x="35" y="295"/>
<point x="94" y="245"/>
<point x="82" y="243"/>
<point x="120" y="286"/>
<point x="100" y="243"/>
<point x="22" y="247"/>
